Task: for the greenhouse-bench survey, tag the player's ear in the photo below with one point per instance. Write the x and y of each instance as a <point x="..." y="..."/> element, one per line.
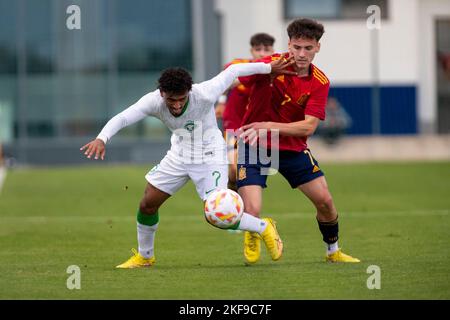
<point x="161" y="93"/>
<point x="318" y="47"/>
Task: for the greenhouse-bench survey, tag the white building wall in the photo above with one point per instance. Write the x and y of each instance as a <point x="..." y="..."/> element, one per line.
<point x="429" y="10"/>
<point x="346" y="51"/>
<point x="243" y="18"/>
<point x="398" y="43"/>
<point x="406" y="46"/>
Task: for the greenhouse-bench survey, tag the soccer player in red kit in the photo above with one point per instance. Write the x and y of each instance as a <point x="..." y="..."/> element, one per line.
<point x="293" y="105"/>
<point x="235" y="104"/>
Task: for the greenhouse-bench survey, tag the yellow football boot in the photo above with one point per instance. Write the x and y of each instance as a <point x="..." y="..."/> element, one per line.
<point x="252" y="247"/>
<point x="272" y="239"/>
<point x="137" y="261"/>
<point x="339" y="256"/>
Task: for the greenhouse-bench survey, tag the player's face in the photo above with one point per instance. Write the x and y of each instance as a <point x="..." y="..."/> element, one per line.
<point x="261" y="51"/>
<point x="303" y="50"/>
<point x="175" y="101"/>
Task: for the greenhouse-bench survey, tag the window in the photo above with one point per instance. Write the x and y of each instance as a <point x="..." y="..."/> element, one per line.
<point x="36" y="23"/>
<point x="332" y="9"/>
<point x="8" y="46"/>
<point x="153" y="35"/>
<point x="56" y="82"/>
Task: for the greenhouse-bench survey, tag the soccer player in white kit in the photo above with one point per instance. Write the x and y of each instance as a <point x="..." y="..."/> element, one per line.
<point x="198" y="150"/>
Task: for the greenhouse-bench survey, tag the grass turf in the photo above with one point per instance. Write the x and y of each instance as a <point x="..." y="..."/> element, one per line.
<point x="393" y="215"/>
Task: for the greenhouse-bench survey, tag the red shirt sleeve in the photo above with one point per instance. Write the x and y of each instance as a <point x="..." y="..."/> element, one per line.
<point x="316" y="104"/>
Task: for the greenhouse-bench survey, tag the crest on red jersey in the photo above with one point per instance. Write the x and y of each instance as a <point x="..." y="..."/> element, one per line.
<point x="303" y="99"/>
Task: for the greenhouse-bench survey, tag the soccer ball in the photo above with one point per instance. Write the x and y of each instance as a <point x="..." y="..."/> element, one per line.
<point x="224" y="208"/>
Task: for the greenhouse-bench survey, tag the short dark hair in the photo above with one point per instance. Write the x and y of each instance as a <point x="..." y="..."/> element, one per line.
<point x="175" y="80"/>
<point x="305" y="28"/>
<point x="262" y="39"/>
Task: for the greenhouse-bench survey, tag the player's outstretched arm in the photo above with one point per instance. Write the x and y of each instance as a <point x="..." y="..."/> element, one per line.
<point x="95" y="147"/>
<point x="214" y="87"/>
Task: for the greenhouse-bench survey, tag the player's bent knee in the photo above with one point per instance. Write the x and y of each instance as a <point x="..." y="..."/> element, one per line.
<point x="148" y="208"/>
<point x="232" y="174"/>
<point x="324" y="203"/>
<point x="232" y="178"/>
<point x="232" y="185"/>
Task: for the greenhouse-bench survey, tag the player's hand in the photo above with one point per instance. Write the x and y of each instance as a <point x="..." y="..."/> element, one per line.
<point x="95" y="147"/>
<point x="250" y="133"/>
<point x="281" y="65"/>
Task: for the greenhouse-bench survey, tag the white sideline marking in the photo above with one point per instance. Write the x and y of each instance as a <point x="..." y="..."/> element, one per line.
<point x="371" y="214"/>
<point x="2" y="177"/>
<point x="294" y="215"/>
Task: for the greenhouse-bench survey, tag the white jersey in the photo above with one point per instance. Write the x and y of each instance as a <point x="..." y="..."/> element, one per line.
<point x="196" y="137"/>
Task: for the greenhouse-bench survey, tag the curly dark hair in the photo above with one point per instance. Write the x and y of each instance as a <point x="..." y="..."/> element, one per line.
<point x="305" y="28"/>
<point x="262" y="39"/>
<point x="175" y="81"/>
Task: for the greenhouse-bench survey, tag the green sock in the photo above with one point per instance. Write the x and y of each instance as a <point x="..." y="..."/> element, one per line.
<point x="235" y="226"/>
<point x="146" y="219"/>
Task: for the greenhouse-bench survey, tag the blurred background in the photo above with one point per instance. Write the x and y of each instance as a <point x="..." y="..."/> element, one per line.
<point x="59" y="86"/>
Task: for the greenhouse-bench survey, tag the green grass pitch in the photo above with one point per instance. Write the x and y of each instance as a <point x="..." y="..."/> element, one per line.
<point x="392" y="215"/>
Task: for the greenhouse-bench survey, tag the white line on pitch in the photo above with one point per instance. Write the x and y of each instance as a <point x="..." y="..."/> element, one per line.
<point x="191" y="216"/>
<point x="2" y="177"/>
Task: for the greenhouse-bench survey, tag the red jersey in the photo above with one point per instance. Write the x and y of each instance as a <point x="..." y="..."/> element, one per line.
<point x="236" y="103"/>
<point x="286" y="99"/>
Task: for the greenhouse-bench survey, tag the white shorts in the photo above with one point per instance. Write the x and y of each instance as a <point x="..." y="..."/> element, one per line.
<point x="170" y="175"/>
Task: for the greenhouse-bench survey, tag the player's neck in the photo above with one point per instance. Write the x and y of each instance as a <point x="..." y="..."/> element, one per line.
<point x="303" y="72"/>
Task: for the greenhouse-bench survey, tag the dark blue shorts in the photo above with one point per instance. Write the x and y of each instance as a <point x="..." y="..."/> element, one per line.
<point x="296" y="167"/>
